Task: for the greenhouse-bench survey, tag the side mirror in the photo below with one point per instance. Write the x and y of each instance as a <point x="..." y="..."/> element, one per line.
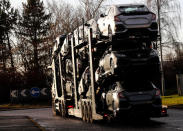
<point x="102" y="15"/>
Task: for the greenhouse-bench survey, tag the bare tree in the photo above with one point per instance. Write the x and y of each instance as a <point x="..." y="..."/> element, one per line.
<point x="91" y="8"/>
<point x="170" y="17"/>
<point x="65" y="18"/>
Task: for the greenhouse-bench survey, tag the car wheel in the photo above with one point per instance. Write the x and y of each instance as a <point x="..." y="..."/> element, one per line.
<point x="110" y="34"/>
<point x="112" y="66"/>
<point x="114" y="110"/>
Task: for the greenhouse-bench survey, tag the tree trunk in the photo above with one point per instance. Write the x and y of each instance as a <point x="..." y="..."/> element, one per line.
<point x="10" y="53"/>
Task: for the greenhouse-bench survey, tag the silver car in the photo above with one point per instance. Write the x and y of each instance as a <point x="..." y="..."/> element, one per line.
<point x="128" y="21"/>
<point x="127" y="62"/>
<point x="140" y="97"/>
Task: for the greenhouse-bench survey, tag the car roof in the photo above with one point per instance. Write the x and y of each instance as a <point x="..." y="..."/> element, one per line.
<point x="128" y="5"/>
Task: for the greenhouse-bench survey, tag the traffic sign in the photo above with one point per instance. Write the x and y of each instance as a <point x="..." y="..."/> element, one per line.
<point x="35" y="92"/>
<point x="23" y="93"/>
<point x="14" y="93"/>
<point x="43" y="91"/>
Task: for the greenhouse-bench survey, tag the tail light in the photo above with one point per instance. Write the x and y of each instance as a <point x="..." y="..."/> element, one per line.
<point x="153" y="16"/>
<point x="158" y="92"/>
<point x="70" y="106"/>
<point x="105" y="115"/>
<point x="150" y="46"/>
<point x="116" y="18"/>
<point x="121" y="95"/>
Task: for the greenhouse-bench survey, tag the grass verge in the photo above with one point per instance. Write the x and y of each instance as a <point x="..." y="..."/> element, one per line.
<point x="172" y="100"/>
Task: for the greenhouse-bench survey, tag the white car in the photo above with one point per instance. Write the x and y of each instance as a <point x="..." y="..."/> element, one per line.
<point x="81" y="33"/>
<point x="128" y="21"/>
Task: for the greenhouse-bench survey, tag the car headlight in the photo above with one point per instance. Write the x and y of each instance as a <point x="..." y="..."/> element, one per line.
<point x="153" y="53"/>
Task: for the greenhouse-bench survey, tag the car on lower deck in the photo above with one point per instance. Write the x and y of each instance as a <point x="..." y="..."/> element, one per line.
<point x="128" y="21"/>
<point x="139" y="97"/>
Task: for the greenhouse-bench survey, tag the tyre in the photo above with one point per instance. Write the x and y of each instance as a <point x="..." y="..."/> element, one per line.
<point x="110" y="34"/>
<point x="90" y="113"/>
<point x="87" y="114"/>
<point x="112" y="66"/>
<point x="83" y="112"/>
<point x="54" y="110"/>
<point x="64" y="110"/>
<point x="60" y="108"/>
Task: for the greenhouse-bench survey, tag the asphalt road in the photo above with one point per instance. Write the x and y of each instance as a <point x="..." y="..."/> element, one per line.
<point x="43" y="120"/>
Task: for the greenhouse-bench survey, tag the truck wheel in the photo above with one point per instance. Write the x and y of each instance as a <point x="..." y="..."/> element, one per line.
<point x="84" y="112"/>
<point x="64" y="110"/>
<point x="60" y="108"/>
<point x="90" y="113"/>
<point x="87" y="114"/>
<point x="54" y="110"/>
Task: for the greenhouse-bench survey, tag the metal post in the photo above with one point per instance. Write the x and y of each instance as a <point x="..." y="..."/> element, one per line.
<point x="83" y="29"/>
<point x="91" y="71"/>
<point x="54" y="75"/>
<point x="161" y="50"/>
<point x="61" y="75"/>
<point x="74" y="71"/>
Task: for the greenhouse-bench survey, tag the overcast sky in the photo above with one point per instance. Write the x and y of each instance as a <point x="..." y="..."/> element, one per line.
<point x="18" y="4"/>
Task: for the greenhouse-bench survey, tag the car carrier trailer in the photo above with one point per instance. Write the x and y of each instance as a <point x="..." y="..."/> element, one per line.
<point x="65" y="97"/>
<point x="81" y="108"/>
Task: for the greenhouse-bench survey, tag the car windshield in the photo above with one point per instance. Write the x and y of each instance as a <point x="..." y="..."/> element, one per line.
<point x="133" y="9"/>
<point x="130" y="45"/>
<point x="137" y="86"/>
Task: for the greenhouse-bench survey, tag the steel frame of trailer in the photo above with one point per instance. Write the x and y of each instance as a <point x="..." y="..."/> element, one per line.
<point x="77" y="111"/>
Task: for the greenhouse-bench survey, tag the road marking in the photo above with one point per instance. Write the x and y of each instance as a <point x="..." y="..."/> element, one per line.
<point x="179" y="129"/>
<point x="36" y="124"/>
<point x="174" y="128"/>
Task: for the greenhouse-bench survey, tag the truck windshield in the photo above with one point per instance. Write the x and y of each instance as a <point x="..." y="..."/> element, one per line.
<point x="133" y="9"/>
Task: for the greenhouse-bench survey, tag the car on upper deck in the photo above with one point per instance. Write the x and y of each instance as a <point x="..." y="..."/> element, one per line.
<point x="128" y="21"/>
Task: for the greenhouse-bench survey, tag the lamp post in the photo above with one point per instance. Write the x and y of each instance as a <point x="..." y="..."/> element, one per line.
<point x="161" y="51"/>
